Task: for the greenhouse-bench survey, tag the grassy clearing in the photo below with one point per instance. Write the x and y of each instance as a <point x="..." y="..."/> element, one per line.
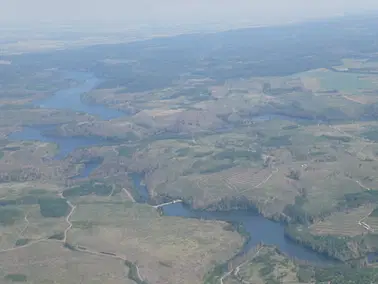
<point x="36" y="227"/>
<point x="60" y="265"/>
<point x="9" y="216"/>
<point x="188" y="248"/>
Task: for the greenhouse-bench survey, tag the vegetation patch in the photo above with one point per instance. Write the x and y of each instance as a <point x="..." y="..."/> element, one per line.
<point x="374" y="213"/>
<point x="371" y="135"/>
<point x="337" y="138"/>
<point x="93" y="187"/>
<point x="12" y="149"/>
<point x="58" y="236"/>
<point x="238" y="154"/>
<point x="126" y="151"/>
<point x="278" y="141"/>
<point x="16" y="277"/>
<point x="133" y="273"/>
<point x="345" y="274"/>
<point x="354" y="200"/>
<point x="183" y="152"/>
<point x="38" y="191"/>
<point x="53" y="207"/>
<point x="22" y="242"/>
<point x="8" y="216"/>
<point x="336" y="247"/>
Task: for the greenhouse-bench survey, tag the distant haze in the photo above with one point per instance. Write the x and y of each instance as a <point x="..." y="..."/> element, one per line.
<point x="175" y="12"/>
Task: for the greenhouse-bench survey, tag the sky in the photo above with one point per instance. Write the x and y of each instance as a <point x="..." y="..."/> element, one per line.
<point x="175" y="12"/>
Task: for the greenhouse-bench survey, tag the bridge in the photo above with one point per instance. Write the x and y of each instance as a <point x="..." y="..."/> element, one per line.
<point x="167" y="203"/>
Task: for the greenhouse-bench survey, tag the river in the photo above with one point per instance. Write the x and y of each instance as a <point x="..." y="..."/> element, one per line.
<point x="259" y="228"/>
<point x="69" y="99"/>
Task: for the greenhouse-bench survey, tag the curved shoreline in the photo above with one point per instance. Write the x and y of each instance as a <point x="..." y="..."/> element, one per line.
<point x="254" y="228"/>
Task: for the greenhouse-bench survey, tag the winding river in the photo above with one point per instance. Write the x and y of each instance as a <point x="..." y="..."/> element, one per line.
<point x="259" y="228"/>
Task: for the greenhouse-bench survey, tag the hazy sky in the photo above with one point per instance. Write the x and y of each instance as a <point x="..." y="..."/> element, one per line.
<point x="258" y="12"/>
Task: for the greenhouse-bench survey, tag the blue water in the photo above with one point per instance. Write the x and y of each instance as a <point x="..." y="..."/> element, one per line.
<point x="66" y="145"/>
<point x="88" y="169"/>
<point x="259" y="228"/>
<point x="71" y="98"/>
<point x="141" y="188"/>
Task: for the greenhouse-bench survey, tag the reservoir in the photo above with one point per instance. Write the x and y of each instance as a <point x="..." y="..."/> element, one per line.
<point x="65" y="145"/>
<point x="259" y="228"/>
<point x="71" y="98"/>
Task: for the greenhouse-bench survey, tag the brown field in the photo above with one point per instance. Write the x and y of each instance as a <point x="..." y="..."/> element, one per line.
<point x="165" y="249"/>
<point x="18" y="189"/>
<point x="48" y="262"/>
<point x="32" y="226"/>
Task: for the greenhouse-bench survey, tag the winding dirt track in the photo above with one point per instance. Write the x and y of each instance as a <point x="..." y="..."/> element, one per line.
<point x="237" y="269"/>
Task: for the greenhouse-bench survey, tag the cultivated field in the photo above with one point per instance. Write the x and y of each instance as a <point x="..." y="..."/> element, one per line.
<point x="350" y="223"/>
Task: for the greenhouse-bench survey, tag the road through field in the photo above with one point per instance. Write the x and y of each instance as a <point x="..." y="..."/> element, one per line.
<point x="237" y="268"/>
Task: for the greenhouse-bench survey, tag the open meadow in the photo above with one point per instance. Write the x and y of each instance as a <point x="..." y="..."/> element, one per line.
<point x="165" y="249"/>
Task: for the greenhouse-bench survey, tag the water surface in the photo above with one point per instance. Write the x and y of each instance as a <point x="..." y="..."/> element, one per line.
<point x="71" y="98"/>
<point x="66" y="145"/>
<point x="259" y="228"/>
